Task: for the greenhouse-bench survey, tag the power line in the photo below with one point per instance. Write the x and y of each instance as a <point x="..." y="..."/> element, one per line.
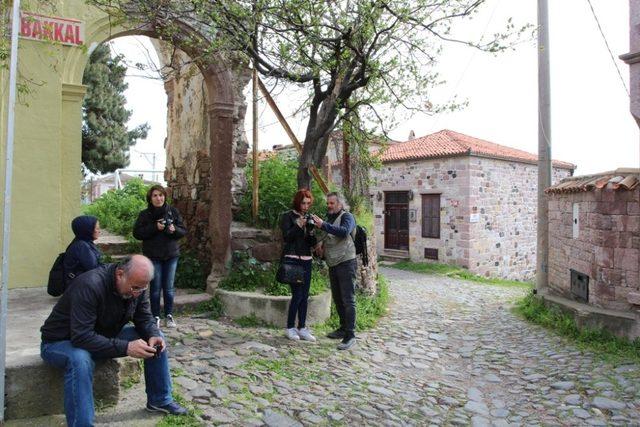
<point x="615" y="64"/>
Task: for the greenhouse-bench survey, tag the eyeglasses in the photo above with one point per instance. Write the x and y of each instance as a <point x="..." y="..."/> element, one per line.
<point x="139" y="289"/>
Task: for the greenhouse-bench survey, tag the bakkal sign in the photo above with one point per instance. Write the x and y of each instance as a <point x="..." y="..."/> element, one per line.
<point x="51" y="29"/>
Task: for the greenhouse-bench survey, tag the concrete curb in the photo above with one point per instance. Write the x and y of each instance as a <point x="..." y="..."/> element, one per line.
<point x="272" y="309"/>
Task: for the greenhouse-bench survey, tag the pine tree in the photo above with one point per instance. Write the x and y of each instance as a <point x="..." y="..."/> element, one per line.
<point x="105" y="137"/>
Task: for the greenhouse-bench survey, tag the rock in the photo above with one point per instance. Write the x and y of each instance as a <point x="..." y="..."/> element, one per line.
<point x="477" y="408"/>
<point x="581" y="413"/>
<point x="573" y="399"/>
<point x="381" y="390"/>
<point x="604" y="403"/>
<point x="277" y="419"/>
<point x="563" y="385"/>
<point x="221" y="392"/>
<point x="185" y="382"/>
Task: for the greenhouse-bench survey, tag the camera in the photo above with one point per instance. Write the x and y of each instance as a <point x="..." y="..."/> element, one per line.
<point x="158" y="348"/>
<point x="309" y="222"/>
<point x="168" y="221"/>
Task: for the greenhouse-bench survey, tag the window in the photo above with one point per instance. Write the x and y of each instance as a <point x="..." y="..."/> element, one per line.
<point x="431" y="216"/>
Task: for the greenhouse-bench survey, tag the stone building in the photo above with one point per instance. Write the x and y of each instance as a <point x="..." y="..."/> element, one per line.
<point x="460" y="200"/>
<point x="594" y="247"/>
<point x="594" y="233"/>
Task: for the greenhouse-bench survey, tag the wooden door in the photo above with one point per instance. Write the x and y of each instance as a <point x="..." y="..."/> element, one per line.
<point x="396" y="220"/>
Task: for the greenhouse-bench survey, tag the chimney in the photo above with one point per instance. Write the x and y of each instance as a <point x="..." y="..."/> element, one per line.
<point x="412" y="135"/>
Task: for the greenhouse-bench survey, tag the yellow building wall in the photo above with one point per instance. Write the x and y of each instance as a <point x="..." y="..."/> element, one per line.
<point x="47" y="144"/>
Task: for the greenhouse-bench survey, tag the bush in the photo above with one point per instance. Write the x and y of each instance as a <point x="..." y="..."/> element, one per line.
<point x="117" y="210"/>
<point x="190" y="272"/>
<point x="276" y="189"/>
<point x="248" y="274"/>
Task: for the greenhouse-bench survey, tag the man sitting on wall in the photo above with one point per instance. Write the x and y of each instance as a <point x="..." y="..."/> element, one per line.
<point x="90" y="322"/>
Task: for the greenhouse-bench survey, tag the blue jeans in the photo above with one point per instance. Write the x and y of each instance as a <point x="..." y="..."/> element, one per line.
<point x="300" y="297"/>
<point x="78" y="365"/>
<point x="165" y="273"/>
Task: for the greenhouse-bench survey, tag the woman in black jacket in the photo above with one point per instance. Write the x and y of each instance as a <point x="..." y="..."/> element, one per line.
<point x="160" y="227"/>
<point x="82" y="254"/>
<point x="299" y="239"/>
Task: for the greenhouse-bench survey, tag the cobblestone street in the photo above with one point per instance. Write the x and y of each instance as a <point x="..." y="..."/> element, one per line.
<point x="449" y="353"/>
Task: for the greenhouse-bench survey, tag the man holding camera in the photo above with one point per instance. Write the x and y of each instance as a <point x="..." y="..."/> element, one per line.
<point x="339" y="252"/>
<point x="89" y="322"/>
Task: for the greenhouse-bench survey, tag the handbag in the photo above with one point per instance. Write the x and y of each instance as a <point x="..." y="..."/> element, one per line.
<point x="290" y="272"/>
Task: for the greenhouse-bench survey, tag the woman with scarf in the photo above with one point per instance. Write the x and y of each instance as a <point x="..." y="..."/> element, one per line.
<point x="82" y="254"/>
<point x="160" y="227"/>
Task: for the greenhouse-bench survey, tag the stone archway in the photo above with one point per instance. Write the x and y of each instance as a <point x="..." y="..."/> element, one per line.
<point x="48" y="152"/>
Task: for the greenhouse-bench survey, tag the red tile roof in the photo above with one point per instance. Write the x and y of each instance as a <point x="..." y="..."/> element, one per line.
<point x="620" y="179"/>
<point x="448" y="143"/>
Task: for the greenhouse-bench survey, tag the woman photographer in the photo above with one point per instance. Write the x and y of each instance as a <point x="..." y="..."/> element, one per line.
<point x="299" y="239"/>
<point x="160" y="227"/>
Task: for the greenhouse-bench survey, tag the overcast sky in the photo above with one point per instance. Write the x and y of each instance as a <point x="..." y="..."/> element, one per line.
<point x="591" y="123"/>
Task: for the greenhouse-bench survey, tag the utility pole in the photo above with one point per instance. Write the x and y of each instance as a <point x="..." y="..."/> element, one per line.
<point x="544" y="146"/>
<point x="255" y="204"/>
<point x="6" y="213"/>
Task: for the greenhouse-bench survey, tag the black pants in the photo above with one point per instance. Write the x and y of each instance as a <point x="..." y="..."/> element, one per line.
<point x="343" y="291"/>
<point x="300" y="297"/>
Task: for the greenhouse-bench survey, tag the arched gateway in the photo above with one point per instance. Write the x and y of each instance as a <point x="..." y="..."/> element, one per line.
<point x="47" y="151"/>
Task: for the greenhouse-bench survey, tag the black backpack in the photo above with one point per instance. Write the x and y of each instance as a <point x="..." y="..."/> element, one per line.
<point x="56" y="283"/>
<point x="359" y="235"/>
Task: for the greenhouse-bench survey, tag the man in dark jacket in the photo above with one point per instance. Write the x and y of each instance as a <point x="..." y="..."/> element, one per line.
<point x="90" y="322"/>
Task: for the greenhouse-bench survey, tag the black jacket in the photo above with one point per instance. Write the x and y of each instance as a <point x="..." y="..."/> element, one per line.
<point x="159" y="245"/>
<point x="91" y="314"/>
<point x="297" y="241"/>
<point x="80" y="256"/>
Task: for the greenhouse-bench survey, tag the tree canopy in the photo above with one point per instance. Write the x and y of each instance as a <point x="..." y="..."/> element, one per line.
<point x="361" y="60"/>
<point x="105" y="137"/>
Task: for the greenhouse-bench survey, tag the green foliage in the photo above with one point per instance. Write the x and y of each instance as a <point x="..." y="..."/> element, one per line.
<point x="276" y="190"/>
<point x="457" y="273"/>
<point x="249" y="322"/>
<point x="214" y="308"/>
<point x="606" y="345"/>
<point x="190" y="272"/>
<point x="105" y="137"/>
<point x="248" y="274"/>
<point x="369" y="309"/>
<point x="118" y="210"/>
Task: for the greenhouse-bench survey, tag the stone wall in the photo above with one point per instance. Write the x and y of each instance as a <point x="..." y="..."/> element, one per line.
<point x="607" y="248"/>
<point x="448" y="176"/>
<point x="504" y="238"/>
<point x="188" y="172"/>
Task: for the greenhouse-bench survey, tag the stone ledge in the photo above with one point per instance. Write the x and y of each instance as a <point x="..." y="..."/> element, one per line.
<point x="34" y="389"/>
<point x="272" y="309"/>
<point x="620" y="323"/>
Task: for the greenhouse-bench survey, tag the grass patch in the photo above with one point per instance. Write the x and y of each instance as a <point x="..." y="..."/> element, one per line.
<point x="189" y="420"/>
<point x="369" y="309"/>
<point x="457" y="273"/>
<point x="601" y="342"/>
<point x="213" y="308"/>
<point x="250" y="322"/>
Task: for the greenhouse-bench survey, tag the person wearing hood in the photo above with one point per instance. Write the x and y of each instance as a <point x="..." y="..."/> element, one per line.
<point x="160" y="226"/>
<point x="82" y="254"/>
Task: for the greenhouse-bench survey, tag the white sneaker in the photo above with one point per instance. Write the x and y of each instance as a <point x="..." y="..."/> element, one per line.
<point x="292" y="334"/>
<point x="305" y="334"/>
<point x="169" y="322"/>
<point x="157" y="322"/>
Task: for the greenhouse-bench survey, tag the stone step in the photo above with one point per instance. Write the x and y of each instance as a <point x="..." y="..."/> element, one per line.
<point x="34" y="389"/>
<point x="112" y="244"/>
<point x="394" y="256"/>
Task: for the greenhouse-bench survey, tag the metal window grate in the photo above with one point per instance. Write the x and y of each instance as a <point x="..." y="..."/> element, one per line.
<point x="431" y="253"/>
<point x="579" y="286"/>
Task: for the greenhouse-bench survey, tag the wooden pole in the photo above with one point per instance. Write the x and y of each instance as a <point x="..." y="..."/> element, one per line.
<point x="255" y="203"/>
<point x="314" y="171"/>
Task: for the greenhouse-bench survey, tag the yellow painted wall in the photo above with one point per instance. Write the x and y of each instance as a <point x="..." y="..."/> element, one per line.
<point x="47" y="145"/>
